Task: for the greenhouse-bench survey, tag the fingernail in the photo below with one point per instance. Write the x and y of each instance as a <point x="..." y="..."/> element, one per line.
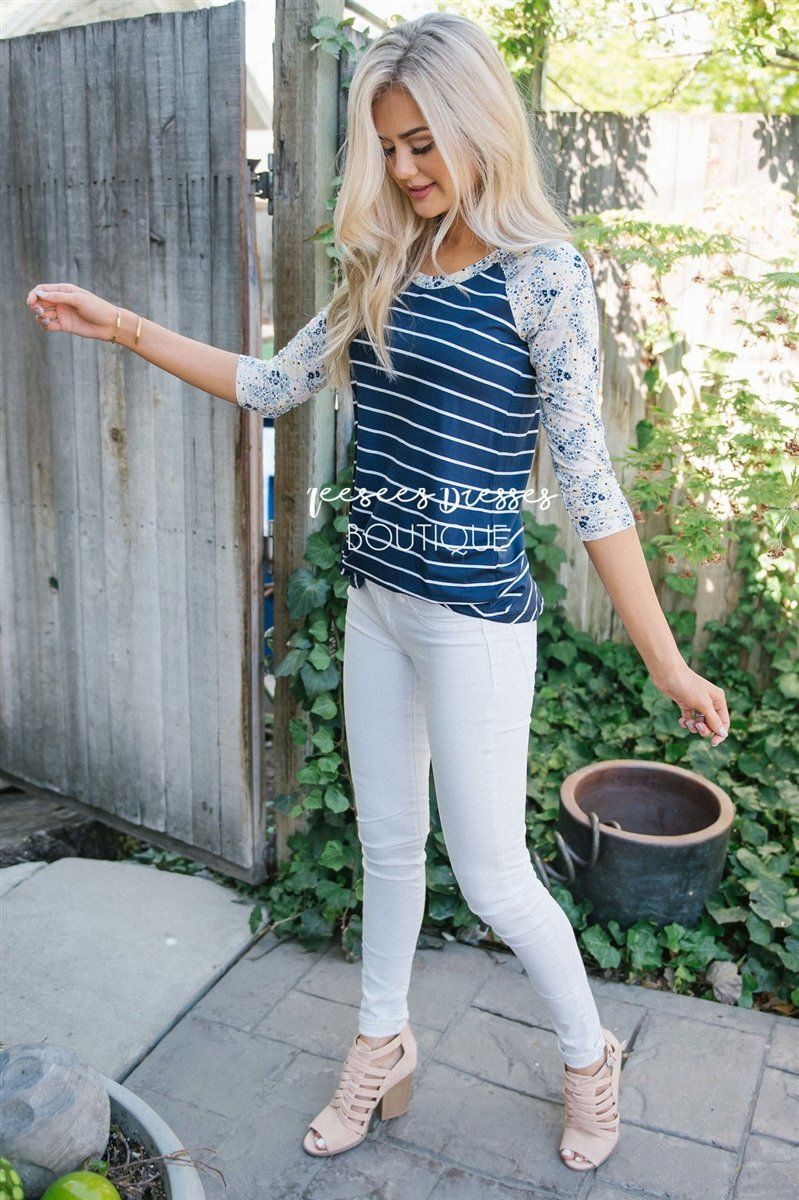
<point x="724" y="730"/>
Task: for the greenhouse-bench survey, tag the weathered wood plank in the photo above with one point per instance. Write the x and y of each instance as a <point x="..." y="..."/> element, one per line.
<point x="305" y="144"/>
<point x="135" y="682"/>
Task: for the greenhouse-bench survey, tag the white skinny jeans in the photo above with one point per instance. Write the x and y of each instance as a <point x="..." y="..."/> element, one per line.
<point x="423" y="683"/>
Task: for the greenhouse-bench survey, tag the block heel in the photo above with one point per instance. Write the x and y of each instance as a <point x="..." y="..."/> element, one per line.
<point x="396" y="1100"/>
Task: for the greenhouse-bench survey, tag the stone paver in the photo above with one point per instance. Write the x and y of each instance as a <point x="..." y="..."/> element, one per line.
<point x="671" y="1079"/>
<point x="434" y="995"/>
<point x="485" y="1116"/>
<point x="777" y="1111"/>
<point x="203" y="1132"/>
<point x="456" y="1184"/>
<point x="662" y="1165"/>
<point x="121" y="951"/>
<point x="384" y="1171"/>
<point x="263" y="976"/>
<point x="469" y="1122"/>
<point x="784" y="1052"/>
<point x="238" y="1048"/>
<point x="770" y="1170"/>
<point x="214" y="1066"/>
<point x="11" y="877"/>
<point x="508" y="992"/>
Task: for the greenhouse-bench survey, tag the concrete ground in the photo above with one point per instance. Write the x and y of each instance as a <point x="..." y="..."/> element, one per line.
<point x="154" y="978"/>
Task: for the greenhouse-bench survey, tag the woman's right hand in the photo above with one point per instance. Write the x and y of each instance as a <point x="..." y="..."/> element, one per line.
<point x="65" y="308"/>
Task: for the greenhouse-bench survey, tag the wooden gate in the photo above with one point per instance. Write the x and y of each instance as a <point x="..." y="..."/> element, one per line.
<point x="132" y="629"/>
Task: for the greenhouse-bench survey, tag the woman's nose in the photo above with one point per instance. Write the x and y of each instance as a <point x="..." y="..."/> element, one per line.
<point x="405" y="167"/>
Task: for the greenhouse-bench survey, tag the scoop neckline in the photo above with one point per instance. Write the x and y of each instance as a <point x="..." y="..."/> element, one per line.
<point x="432" y="281"/>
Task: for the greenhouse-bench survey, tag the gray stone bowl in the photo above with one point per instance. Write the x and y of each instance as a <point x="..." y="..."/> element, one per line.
<point x="134" y="1117"/>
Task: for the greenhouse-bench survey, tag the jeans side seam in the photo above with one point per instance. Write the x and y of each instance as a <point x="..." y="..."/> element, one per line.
<point x="422" y="802"/>
<point x="492" y="761"/>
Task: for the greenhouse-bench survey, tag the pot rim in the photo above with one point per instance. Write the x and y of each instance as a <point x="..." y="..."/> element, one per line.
<point x="721" y="825"/>
<point x="182" y="1178"/>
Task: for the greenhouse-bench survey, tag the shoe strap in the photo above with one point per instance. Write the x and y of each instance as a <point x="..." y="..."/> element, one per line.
<point x="354" y="1090"/>
<point x="586" y="1095"/>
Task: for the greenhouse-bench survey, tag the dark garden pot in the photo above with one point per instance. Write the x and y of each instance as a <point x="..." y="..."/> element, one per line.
<point x="641" y="840"/>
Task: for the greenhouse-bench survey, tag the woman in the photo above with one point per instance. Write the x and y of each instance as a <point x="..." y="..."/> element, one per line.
<point x="465" y="317"/>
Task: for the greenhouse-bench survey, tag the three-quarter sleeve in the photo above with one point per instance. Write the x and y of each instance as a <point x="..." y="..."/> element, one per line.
<point x="271" y="386"/>
<point x="564" y="350"/>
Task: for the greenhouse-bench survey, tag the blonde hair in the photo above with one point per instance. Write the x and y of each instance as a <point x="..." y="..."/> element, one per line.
<point x="479" y="124"/>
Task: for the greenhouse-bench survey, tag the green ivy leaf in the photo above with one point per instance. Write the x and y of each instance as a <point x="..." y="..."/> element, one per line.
<point x="645" y="953"/>
<point x="290" y="663"/>
<point x="316" y="682"/>
<point x="313" y="799"/>
<point x="564" y="652"/>
<point x="256" y="918"/>
<point x="789" y="685"/>
<point x="789" y="958"/>
<point x="767" y="902"/>
<point x="284" y="802"/>
<point x="724" y="914"/>
<point x="306" y="591"/>
<point x="644" y="432"/>
<point x="441" y="878"/>
<point x="324" y="706"/>
<point x="329" y="763"/>
<point x="598" y="944"/>
<point x="318" y="629"/>
<point x="333" y="856"/>
<point x="310" y="773"/>
<point x="298" y="731"/>
<point x="336" y="800"/>
<point x="319" y="657"/>
<point x="441" y="908"/>
<point x="672" y="934"/>
<point x="335" y="898"/>
<point x="759" y="931"/>
<point x="323" y="740"/>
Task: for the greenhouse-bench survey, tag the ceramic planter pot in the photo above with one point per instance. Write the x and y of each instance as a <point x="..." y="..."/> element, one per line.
<point x="641" y="839"/>
<point x="133" y="1116"/>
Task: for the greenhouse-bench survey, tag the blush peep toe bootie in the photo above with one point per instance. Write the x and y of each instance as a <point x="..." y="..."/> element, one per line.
<point x="364" y="1085"/>
<point x="592" y="1122"/>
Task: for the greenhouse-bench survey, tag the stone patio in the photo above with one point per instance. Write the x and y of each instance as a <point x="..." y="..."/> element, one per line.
<point x="240" y="1046"/>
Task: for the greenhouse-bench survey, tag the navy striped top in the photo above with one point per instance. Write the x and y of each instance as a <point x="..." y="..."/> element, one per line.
<point x="443" y="453"/>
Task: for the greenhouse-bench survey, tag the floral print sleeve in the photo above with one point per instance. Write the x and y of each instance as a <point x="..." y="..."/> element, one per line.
<point x="272" y="386"/>
<point x="554" y="302"/>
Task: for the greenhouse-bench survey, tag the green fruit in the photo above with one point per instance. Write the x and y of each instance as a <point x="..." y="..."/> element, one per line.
<point x="82" y="1185"/>
<point x="10" y="1182"/>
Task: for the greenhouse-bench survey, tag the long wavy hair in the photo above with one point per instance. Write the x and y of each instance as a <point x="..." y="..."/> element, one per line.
<point x="479" y="124"/>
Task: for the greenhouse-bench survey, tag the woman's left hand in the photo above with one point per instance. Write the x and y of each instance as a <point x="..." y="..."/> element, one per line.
<point x="703" y="707"/>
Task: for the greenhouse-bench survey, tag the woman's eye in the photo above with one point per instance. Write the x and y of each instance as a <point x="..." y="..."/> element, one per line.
<point x="420" y="150"/>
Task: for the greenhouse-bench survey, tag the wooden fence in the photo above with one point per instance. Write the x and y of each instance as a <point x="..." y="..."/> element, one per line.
<point x="132" y="637"/>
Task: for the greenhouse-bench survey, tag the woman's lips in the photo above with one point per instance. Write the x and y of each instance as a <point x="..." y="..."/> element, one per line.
<point x="418" y="193"/>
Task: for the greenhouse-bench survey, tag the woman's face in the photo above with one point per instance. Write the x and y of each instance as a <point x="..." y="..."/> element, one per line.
<point x="412" y="159"/>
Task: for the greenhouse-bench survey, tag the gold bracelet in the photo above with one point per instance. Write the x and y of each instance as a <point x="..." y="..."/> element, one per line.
<point x="118" y="323"/>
